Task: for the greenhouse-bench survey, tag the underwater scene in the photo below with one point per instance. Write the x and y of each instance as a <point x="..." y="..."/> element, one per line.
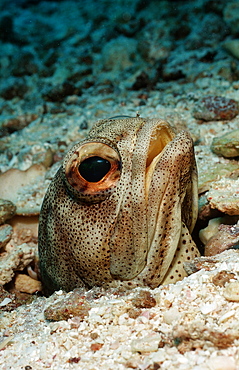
<point x="119" y="184"/>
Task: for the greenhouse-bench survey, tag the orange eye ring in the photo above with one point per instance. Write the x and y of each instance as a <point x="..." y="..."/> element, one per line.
<point x="80" y="155"/>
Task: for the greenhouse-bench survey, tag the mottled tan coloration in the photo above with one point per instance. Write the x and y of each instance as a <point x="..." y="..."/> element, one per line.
<point x="131" y="227"/>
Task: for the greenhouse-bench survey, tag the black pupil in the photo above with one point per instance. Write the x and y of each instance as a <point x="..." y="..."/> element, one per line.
<point x="93" y="169"/>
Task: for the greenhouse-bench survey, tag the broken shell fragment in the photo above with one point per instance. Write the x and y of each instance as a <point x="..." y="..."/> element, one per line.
<point x="148" y="343"/>
<point x="231" y="291"/>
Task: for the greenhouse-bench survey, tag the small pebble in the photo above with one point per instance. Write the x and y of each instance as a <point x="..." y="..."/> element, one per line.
<point x="96" y="346"/>
<point x="36" y="154"/>
<point x="119" y="53"/>
<point x="74" y="360"/>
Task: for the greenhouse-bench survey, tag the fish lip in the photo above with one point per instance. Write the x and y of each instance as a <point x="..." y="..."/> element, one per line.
<point x="161" y="136"/>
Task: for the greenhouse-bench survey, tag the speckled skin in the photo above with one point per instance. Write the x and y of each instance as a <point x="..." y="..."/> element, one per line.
<point x="135" y="231"/>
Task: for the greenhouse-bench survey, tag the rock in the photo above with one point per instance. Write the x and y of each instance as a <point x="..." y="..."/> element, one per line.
<point x="231" y="16"/>
<point x="35" y="154"/>
<point x="7" y="210"/>
<point x="6" y="28"/>
<point x="119" y="54"/>
<point x="25" y="284"/>
<point x="205" y="211"/>
<point x="223" y="277"/>
<point x="73" y="304"/>
<point x="223" y="195"/>
<point x="19" y="257"/>
<point x="15" y="123"/>
<point x="213" y="226"/>
<point x="60" y="92"/>
<point x="232" y="46"/>
<point x="24" y="188"/>
<point x="226" y="237"/>
<point x="214" y="171"/>
<point x="13" y="88"/>
<point x="26" y="64"/>
<point x="227" y="145"/>
<point x="5" y="235"/>
<point x="25" y="229"/>
<point x="5" y="299"/>
<point x="144" y="300"/>
<point x="208" y="232"/>
<point x="217" y="108"/>
<point x="227" y="257"/>
<point x="10" y="301"/>
<point x="142" y="81"/>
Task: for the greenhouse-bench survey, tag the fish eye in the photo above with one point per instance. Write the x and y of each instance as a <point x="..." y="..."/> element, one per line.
<point x="93" y="169"/>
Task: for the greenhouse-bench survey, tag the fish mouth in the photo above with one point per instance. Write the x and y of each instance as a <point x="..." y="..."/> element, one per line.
<point x="161" y="136"/>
